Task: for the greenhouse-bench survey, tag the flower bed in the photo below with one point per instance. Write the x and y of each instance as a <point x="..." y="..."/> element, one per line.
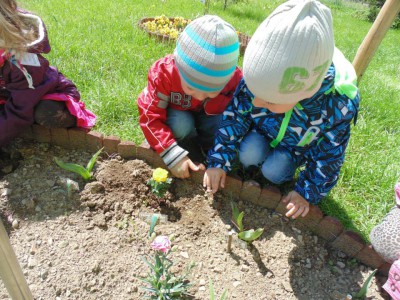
<point x="167" y="29"/>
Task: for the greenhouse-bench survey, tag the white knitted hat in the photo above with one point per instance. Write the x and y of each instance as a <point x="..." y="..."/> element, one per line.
<point x="207" y="53"/>
<point x="290" y="52"/>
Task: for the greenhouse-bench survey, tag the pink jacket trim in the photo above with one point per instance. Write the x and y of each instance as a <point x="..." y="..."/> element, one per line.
<point x="85" y="118"/>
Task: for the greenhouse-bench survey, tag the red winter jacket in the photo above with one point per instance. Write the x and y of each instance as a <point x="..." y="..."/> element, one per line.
<point x="164" y="90"/>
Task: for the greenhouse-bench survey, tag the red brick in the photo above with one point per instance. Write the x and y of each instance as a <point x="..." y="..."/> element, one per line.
<point x="281" y="207"/>
<point x="349" y="242"/>
<point x="127" y="149"/>
<point x="27" y="134"/>
<point x="158" y="161"/>
<point x="60" y="137"/>
<point x="384" y="269"/>
<point x="369" y="257"/>
<point x="311" y="220"/>
<point x="41" y="134"/>
<point x="269" y="197"/>
<point x="110" y="144"/>
<point x="144" y="152"/>
<point x="233" y="186"/>
<point x="329" y="228"/>
<point x="77" y="137"/>
<point x="94" y="141"/>
<point x="251" y="191"/>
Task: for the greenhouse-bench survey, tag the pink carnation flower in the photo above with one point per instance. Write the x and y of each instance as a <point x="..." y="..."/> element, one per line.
<point x="161" y="243"/>
<point x="397" y="193"/>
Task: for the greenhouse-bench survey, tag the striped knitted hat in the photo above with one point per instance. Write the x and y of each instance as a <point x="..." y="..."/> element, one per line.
<point x="290" y="52"/>
<point x="207" y="53"/>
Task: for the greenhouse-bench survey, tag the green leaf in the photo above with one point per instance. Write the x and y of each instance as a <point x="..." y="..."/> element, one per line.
<point x="250" y="235"/>
<point x="92" y="161"/>
<point x="362" y="294"/>
<point x="212" y="292"/>
<point x="224" y="295"/>
<point x="237" y="217"/>
<point x="235" y="211"/>
<point x="153" y="223"/>
<point x="73" y="168"/>
<point x="240" y="221"/>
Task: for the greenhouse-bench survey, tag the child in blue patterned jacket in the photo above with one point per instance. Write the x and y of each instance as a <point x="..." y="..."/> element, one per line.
<point x="294" y="106"/>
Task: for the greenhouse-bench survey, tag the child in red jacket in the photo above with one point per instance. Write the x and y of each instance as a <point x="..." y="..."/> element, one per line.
<point x="31" y="90"/>
<point x="188" y="91"/>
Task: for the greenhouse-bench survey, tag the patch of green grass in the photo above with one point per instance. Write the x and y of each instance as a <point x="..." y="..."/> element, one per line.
<point x="98" y="45"/>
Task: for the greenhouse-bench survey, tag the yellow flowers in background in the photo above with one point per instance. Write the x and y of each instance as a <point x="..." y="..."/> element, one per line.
<point x="163" y="25"/>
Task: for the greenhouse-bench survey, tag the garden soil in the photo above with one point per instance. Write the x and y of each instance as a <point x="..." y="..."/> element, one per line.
<point x="87" y="240"/>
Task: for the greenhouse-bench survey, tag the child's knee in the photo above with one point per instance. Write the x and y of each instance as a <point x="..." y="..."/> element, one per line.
<point x="53" y="114"/>
<point x="276" y="175"/>
<point x="253" y="150"/>
<point x="181" y="124"/>
<point x="250" y="156"/>
<point x="385" y="237"/>
<point x="183" y="132"/>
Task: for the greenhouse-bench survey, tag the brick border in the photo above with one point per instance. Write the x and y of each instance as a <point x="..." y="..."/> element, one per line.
<point x="326" y="227"/>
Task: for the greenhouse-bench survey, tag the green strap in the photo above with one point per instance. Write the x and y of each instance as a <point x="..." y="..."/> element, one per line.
<point x="345" y="75"/>
<point x="282" y="130"/>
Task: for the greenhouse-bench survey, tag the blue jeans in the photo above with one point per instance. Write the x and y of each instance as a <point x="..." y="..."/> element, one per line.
<point x="193" y="127"/>
<point x="277" y="165"/>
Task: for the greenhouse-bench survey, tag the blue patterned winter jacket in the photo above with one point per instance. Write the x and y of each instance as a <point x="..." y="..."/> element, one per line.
<point x="326" y="116"/>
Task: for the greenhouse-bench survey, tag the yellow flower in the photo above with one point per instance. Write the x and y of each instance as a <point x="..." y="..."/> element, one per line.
<point x="160" y="175"/>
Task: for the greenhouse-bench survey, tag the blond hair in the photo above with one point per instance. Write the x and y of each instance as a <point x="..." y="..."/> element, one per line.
<point x="15" y="33"/>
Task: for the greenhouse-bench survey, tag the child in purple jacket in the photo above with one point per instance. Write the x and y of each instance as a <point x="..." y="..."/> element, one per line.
<point x="31" y="91"/>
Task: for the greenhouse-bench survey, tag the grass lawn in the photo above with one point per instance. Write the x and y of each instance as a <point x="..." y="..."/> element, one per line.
<point x="99" y="46"/>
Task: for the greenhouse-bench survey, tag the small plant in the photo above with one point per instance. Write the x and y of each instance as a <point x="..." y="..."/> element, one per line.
<point x="124" y="223"/>
<point x="224" y="295"/>
<point x="86" y="173"/>
<point x="362" y="294"/>
<point x="237" y="219"/>
<point x="163" y="285"/>
<point x="153" y="223"/>
<point x="159" y="182"/>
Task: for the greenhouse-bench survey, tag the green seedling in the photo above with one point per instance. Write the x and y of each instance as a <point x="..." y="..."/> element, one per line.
<point x="153" y="223"/>
<point x="362" y="294"/>
<point x="224" y="295"/>
<point x="237" y="219"/>
<point x="86" y="173"/>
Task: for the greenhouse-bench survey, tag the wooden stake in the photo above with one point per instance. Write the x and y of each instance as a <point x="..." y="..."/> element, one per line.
<point x="10" y="270"/>
<point x="375" y="35"/>
<point x="229" y="244"/>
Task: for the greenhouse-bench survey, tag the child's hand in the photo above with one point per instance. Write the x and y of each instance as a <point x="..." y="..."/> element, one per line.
<point x="181" y="169"/>
<point x="297" y="205"/>
<point x="213" y="178"/>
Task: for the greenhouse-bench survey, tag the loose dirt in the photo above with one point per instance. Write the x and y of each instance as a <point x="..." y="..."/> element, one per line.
<point x="79" y="240"/>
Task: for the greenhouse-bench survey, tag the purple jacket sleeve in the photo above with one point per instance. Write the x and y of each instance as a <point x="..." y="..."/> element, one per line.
<point x="17" y="113"/>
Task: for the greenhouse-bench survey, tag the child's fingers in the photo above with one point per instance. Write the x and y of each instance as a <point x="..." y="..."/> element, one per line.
<point x="223" y="178"/>
<point x="286" y="199"/>
<point x="207" y="182"/>
<point x="291" y="211"/>
<point x="305" y="212"/>
<point x="215" y="184"/>
<point x="298" y="212"/>
<point x="192" y="166"/>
